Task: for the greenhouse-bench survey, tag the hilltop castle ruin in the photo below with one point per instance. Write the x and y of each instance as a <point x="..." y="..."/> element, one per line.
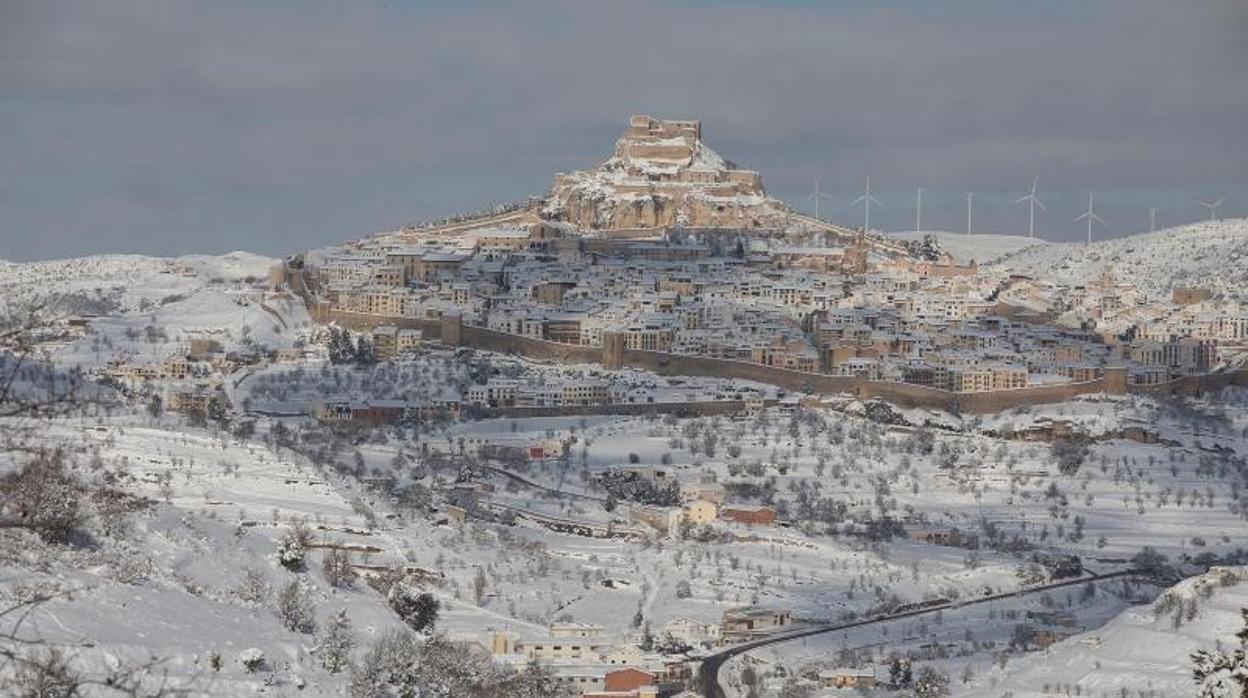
<point x="663" y="175"/>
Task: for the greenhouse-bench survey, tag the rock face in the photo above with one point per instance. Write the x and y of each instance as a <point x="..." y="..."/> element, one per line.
<point x="661" y="175"/>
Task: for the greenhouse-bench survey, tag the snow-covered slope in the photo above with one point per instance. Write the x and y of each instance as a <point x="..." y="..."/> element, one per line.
<point x="1144" y="651"/>
<point x="1212" y="254"/>
<point x="111" y="283"/>
<point x="980" y="248"/>
<point x="148" y="307"/>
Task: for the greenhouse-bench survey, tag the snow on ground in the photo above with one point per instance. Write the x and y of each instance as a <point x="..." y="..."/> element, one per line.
<point x="237" y="319"/>
<point x="170" y="588"/>
<point x="1142" y="651"/>
<point x="979" y="247"/>
<point x="145" y="309"/>
<point x="222" y="502"/>
<point x="1212" y="254"/>
<point x="110" y="283"/>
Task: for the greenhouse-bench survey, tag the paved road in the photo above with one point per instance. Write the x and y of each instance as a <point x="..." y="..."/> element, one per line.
<point x="529" y="483"/>
<point x="708" y="674"/>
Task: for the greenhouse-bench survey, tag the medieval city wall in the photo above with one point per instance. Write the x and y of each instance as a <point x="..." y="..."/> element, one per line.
<point x="666" y="364"/>
<point x="366" y="322"/>
<point x="504" y="343"/>
<point x="900" y="394"/>
<point x="1193" y="385"/>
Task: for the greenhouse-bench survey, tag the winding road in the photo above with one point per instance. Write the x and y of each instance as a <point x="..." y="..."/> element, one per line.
<point x="708" y="673"/>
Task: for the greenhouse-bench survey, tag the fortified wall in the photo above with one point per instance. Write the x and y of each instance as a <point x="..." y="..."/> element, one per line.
<point x="613" y="355"/>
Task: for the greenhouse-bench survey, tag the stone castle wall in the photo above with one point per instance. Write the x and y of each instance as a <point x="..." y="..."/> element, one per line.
<point x="503" y="343"/>
<point x="1191" y="386"/>
<point x="613" y="355"/>
<point x="657" y="151"/>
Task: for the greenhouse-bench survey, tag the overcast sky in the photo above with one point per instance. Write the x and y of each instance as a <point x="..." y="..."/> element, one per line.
<point x="169" y="126"/>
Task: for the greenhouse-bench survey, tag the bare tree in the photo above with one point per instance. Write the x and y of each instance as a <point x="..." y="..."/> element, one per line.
<point x="31" y="385"/>
<point x="336" y="564"/>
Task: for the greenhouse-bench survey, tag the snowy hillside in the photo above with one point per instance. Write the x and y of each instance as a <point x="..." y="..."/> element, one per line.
<point x="110" y="283"/>
<point x="1144" y="651"/>
<point x="980" y="248"/>
<point x="1212" y="254"/>
<point x="147" y="308"/>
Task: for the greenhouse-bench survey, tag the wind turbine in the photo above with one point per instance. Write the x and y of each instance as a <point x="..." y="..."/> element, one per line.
<point x="970" y="200"/>
<point x="1152" y="219"/>
<point x="1213" y="207"/>
<point x="816" y="195"/>
<point x="866" y="200"/>
<point x="918" y="209"/>
<point x="1032" y="203"/>
<point x="1090" y="216"/>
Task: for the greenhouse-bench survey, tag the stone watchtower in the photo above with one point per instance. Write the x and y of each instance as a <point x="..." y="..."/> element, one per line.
<point x="1116" y="380"/>
<point x="612" y="351"/>
<point x="452" y="329"/>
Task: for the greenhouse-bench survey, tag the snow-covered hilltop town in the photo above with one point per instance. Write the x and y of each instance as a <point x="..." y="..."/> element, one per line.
<point x="667" y="258"/>
<point x="653" y="434"/>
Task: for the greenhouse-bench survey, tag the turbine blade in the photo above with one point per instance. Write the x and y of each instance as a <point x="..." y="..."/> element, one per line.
<point x="1098" y="219"/>
<point x="1022" y="198"/>
<point x="1041" y="205"/>
<point x="1081" y="217"/>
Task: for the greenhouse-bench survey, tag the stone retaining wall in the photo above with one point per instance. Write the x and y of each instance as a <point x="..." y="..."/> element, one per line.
<point x="900" y="394"/>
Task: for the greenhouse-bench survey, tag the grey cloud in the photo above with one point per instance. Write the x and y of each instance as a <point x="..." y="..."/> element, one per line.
<point x="182" y="126"/>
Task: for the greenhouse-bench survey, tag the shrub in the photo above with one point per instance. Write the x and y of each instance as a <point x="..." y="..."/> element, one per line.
<point x="252" y="659"/>
<point x="682" y="589"/>
<point x="295" y="608"/>
<point x="43" y="497"/>
<point x="293" y="546"/>
<point x="418" y="610"/>
<point x="254" y="588"/>
<point x="930" y="683"/>
<point x="1070" y="452"/>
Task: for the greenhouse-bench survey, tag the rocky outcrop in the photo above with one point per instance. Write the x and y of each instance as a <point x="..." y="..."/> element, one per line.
<point x="663" y="175"/>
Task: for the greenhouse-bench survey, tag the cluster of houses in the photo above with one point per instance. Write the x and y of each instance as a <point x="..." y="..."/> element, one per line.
<point x="846" y="310"/>
<point x="186" y="381"/>
<point x="702" y="501"/>
<point x="597" y="666"/>
<point x="602" y="667"/>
